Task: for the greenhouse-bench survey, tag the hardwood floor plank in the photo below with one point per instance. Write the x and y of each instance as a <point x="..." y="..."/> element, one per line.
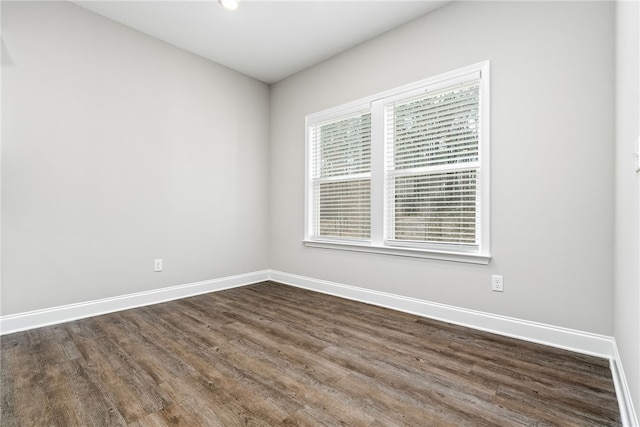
<point x="207" y="361"/>
<point x="79" y="401"/>
<point x="274" y="355"/>
<point x="549" y="413"/>
<point x="333" y="404"/>
<point x="172" y="415"/>
<point x="396" y="349"/>
<point x="269" y="319"/>
<point x="29" y="400"/>
<point x="118" y="375"/>
<point x="393" y="407"/>
<point x="150" y="353"/>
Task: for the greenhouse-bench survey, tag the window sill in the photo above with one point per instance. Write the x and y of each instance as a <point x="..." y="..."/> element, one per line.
<point x="406" y="252"/>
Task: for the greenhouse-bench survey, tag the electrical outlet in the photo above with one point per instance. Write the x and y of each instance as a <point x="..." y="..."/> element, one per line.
<point x="157" y="265"/>
<point x="497" y="283"/>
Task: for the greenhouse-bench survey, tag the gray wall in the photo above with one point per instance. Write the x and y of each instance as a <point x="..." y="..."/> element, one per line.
<point x="117" y="149"/>
<point x="552" y="114"/>
<point x="627" y="248"/>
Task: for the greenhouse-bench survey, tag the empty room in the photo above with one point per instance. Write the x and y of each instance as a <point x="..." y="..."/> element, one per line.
<point x="360" y="213"/>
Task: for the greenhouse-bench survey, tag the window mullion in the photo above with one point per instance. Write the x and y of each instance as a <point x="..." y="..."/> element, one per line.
<point x="377" y="172"/>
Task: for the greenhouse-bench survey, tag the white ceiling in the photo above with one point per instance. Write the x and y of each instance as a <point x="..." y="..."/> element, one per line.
<point x="265" y="39"/>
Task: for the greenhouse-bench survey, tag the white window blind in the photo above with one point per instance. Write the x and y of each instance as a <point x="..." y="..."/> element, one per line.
<point x="341" y="177"/>
<point x="404" y="172"/>
<point x="433" y="167"/>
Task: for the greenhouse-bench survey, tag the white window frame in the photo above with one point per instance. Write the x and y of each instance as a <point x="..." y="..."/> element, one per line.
<point x="378" y="242"/>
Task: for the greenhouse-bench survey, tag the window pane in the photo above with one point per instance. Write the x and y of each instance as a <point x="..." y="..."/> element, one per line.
<point x="437" y="129"/>
<point x="345" y="146"/>
<point x="437" y="208"/>
<point x="344" y="209"/>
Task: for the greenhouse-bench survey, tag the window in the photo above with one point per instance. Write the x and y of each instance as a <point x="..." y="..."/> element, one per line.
<point x="341" y="160"/>
<point x="405" y="172"/>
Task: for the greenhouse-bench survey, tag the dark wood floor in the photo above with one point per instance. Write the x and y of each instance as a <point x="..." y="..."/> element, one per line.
<point x="271" y="355"/>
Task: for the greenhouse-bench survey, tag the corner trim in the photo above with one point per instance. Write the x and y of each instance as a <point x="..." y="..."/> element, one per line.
<point x="66" y="313"/>
<point x="625" y="401"/>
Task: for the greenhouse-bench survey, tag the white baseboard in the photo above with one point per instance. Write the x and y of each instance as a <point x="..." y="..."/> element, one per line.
<point x="555" y="336"/>
<point x="578" y="341"/>
<point x="51" y="316"/>
<point x="582" y="342"/>
<point x="569" y="339"/>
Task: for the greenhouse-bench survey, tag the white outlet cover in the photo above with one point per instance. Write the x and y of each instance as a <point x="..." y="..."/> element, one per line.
<point x="497" y="283"/>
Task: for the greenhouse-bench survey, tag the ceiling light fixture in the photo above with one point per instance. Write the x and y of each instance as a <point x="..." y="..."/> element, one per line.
<point x="229" y="4"/>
